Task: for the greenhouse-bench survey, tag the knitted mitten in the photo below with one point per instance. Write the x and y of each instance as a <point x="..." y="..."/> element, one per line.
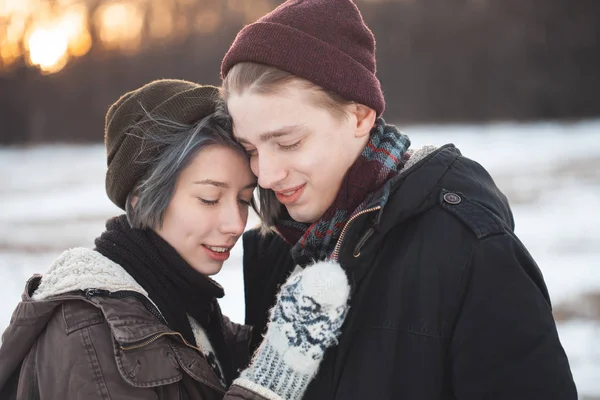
<point x="306" y="320"/>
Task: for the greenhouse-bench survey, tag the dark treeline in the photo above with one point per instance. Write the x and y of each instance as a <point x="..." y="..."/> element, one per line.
<point x="438" y="61"/>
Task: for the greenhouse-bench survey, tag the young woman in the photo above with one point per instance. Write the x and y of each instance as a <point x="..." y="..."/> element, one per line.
<point x="137" y="317"/>
<point x="447" y="302"/>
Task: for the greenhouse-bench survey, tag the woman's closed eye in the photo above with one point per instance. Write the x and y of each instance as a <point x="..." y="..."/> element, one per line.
<point x="207" y="202"/>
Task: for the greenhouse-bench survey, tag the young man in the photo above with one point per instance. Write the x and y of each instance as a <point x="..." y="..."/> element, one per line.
<point x="446" y="301"/>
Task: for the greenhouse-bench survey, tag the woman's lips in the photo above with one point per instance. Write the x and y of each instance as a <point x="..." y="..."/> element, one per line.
<point x="217" y="255"/>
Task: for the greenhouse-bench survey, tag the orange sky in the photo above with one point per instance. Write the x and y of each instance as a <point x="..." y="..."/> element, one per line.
<point x="48" y="37"/>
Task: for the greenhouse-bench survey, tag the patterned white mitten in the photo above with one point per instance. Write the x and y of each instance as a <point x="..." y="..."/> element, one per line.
<point x="306" y="320"/>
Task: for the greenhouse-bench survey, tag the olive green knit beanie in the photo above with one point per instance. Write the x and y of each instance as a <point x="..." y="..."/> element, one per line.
<point x="172" y="99"/>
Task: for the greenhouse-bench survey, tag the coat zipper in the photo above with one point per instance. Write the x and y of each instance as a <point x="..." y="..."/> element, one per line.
<point x="121" y="294"/>
<point x="152" y="339"/>
<point x="89" y="293"/>
<point x="336" y="250"/>
<point x="148" y="341"/>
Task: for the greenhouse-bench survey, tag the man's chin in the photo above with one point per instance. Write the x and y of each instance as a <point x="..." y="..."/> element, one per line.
<point x="301" y="214"/>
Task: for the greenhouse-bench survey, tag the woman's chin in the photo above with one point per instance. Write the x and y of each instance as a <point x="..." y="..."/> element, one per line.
<point x="208" y="268"/>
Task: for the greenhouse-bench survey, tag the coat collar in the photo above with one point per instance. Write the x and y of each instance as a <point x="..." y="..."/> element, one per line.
<point x="139" y="337"/>
<point x="81" y="269"/>
<point x="408" y="194"/>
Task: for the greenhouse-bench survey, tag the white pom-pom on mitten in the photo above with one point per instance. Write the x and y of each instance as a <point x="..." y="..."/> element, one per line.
<point x="306" y="320"/>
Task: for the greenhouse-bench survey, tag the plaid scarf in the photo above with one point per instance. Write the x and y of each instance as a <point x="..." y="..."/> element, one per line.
<point x="381" y="160"/>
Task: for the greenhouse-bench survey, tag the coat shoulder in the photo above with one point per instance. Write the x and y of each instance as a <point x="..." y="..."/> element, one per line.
<point x="475" y="216"/>
<point x="80" y="314"/>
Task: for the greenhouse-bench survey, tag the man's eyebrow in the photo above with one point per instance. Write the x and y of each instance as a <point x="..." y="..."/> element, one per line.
<point x="286" y="130"/>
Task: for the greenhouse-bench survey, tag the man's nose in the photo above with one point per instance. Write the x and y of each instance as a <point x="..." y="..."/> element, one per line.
<point x="270" y="170"/>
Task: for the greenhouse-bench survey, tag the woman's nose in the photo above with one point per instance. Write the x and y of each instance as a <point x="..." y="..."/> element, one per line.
<point x="234" y="220"/>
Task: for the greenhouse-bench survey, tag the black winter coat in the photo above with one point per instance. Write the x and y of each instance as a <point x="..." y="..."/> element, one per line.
<point x="447" y="303"/>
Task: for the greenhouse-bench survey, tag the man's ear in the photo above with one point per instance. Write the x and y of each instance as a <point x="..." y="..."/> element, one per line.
<point x="134" y="200"/>
<point x="365" y="120"/>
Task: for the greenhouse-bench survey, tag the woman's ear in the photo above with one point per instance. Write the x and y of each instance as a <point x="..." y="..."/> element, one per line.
<point x="134" y="200"/>
<point x="365" y="120"/>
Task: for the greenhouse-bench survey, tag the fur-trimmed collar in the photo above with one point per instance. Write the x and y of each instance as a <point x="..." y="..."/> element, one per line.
<point x="417" y="155"/>
<point x="81" y="269"/>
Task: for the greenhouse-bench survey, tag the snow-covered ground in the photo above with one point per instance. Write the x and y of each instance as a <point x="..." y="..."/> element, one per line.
<point x="52" y="198"/>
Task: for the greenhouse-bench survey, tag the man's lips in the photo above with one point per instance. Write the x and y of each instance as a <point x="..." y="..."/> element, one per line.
<point x="290" y="196"/>
<point x="287" y="192"/>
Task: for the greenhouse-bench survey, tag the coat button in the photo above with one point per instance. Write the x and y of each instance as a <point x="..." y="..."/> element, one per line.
<point x="452" y="198"/>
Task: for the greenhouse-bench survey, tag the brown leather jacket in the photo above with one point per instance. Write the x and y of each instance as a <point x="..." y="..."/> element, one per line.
<point x="71" y="346"/>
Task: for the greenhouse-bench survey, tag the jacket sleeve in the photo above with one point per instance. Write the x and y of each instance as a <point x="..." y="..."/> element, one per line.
<point x="505" y="343"/>
<point x="238" y="339"/>
<point x="239" y="393"/>
<point x="267" y="265"/>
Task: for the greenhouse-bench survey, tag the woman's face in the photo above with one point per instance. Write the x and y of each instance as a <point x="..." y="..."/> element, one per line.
<point x="299" y="150"/>
<point x="209" y="208"/>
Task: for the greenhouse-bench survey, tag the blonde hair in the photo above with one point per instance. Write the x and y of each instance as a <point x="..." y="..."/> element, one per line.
<point x="264" y="79"/>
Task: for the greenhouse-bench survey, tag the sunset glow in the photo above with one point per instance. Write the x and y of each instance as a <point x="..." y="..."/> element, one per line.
<point x="120" y="24"/>
<point x="48" y="48"/>
<point x="51" y="42"/>
<point x="47" y="34"/>
<point x="74" y="23"/>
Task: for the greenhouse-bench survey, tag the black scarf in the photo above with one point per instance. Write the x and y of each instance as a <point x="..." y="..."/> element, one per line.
<point x="176" y="288"/>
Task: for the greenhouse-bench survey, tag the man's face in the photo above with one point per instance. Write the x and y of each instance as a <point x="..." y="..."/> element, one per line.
<point x="298" y="150"/>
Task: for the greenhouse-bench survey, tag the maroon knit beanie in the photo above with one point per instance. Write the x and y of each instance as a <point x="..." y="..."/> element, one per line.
<point x="323" y="41"/>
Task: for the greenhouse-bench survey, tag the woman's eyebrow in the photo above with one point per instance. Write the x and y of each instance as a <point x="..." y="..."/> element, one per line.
<point x="213" y="183"/>
<point x="222" y="184"/>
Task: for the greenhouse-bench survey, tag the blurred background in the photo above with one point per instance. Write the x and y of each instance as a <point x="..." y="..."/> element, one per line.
<point x="514" y="84"/>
